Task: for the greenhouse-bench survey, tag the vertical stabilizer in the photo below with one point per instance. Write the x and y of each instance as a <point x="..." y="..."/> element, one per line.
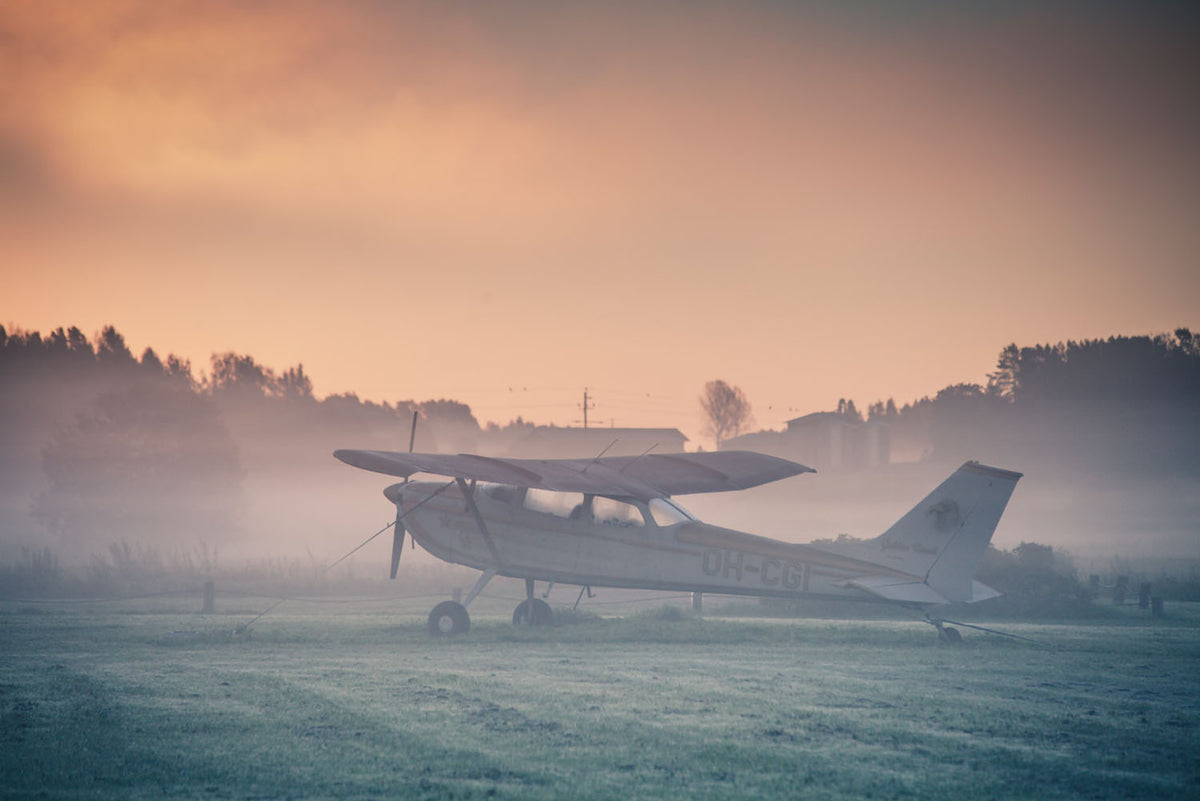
<point x="943" y="537"/>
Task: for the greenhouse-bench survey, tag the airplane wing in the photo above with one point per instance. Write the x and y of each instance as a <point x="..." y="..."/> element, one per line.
<point x="645" y="477"/>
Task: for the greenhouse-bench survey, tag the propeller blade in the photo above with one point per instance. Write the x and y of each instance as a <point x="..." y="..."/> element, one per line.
<point x="397" y="543"/>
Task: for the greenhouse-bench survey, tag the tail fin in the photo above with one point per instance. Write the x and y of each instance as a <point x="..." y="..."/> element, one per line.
<point x="944" y="536"/>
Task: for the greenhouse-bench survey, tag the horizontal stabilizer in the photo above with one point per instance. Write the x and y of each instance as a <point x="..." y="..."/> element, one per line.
<point x="901" y="590"/>
<point x="915" y="592"/>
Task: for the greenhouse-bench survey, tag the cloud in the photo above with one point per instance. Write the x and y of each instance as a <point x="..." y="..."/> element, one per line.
<point x="775" y="168"/>
<point x="535" y="117"/>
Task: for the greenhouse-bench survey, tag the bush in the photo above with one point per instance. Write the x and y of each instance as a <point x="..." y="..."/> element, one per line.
<point x="1035" y="581"/>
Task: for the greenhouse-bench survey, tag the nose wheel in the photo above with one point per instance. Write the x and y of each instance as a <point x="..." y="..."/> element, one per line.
<point x="448" y="619"/>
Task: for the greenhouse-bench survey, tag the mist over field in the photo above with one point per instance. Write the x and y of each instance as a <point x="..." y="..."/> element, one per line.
<point x="103" y="449"/>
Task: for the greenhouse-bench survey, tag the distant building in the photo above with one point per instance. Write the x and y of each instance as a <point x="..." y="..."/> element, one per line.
<point x="824" y="440"/>
<point x="552" y="442"/>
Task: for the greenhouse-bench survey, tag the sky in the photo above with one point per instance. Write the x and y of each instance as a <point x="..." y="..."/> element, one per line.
<point x="504" y="203"/>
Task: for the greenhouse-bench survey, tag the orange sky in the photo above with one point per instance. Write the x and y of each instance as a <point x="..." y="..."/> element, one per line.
<point x="423" y="200"/>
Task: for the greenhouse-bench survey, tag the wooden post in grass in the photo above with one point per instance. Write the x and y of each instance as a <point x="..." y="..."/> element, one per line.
<point x="1120" y="589"/>
<point x="209" y="598"/>
<point x="1144" y="595"/>
<point x="1156" y="606"/>
<point x="698" y="602"/>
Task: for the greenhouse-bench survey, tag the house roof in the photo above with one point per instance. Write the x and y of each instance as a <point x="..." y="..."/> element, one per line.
<point x="817" y="417"/>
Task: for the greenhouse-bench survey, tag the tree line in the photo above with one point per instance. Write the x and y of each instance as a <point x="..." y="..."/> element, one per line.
<point x="97" y="444"/>
<point x="1121" y="404"/>
<point x="1125" y="404"/>
<point x="1129" y="402"/>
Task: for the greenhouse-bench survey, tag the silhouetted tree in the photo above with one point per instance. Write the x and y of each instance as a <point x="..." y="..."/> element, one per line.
<point x="880" y="412"/>
<point x="448" y="412"/>
<point x="1189" y="345"/>
<point x="848" y="410"/>
<point x="453" y="425"/>
<point x="151" y="362"/>
<point x="111" y="348"/>
<point x="1003" y="381"/>
<point x="294" y="385"/>
<point x="181" y="370"/>
<point x="726" y="410"/>
<point x="235" y="374"/>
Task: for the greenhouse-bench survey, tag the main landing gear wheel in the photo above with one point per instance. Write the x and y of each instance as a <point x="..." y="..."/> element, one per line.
<point x="449" y="618"/>
<point x="542" y="615"/>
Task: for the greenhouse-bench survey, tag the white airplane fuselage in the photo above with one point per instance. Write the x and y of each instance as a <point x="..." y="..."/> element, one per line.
<point x="644" y="550"/>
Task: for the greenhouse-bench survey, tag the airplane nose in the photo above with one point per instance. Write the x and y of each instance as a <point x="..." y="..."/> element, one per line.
<point x="394" y="492"/>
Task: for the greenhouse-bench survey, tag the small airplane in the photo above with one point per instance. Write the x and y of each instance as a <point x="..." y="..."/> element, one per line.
<point x="612" y="522"/>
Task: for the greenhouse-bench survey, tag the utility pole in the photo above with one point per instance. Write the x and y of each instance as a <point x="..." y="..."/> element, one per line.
<point x="586" y="405"/>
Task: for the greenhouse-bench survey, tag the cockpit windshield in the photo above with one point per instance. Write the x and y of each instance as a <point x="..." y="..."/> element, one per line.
<point x="667" y="513"/>
<point x="505" y="493"/>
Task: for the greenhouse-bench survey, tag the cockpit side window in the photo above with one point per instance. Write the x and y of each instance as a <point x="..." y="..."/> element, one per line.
<point x="505" y="493"/>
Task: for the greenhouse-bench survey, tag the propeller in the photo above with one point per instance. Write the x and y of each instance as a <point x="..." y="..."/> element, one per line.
<point x="393" y="494"/>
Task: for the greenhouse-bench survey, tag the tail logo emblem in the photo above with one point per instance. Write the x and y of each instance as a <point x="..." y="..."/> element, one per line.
<point x="946" y="516"/>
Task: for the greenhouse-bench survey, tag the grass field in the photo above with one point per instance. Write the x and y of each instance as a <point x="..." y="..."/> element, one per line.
<point x="147" y="699"/>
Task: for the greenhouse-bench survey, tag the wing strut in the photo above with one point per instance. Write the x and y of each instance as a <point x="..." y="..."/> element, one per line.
<point x="469" y="494"/>
<point x="487" y="576"/>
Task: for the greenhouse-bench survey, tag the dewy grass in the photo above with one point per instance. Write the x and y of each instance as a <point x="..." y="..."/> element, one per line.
<point x="346" y="701"/>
